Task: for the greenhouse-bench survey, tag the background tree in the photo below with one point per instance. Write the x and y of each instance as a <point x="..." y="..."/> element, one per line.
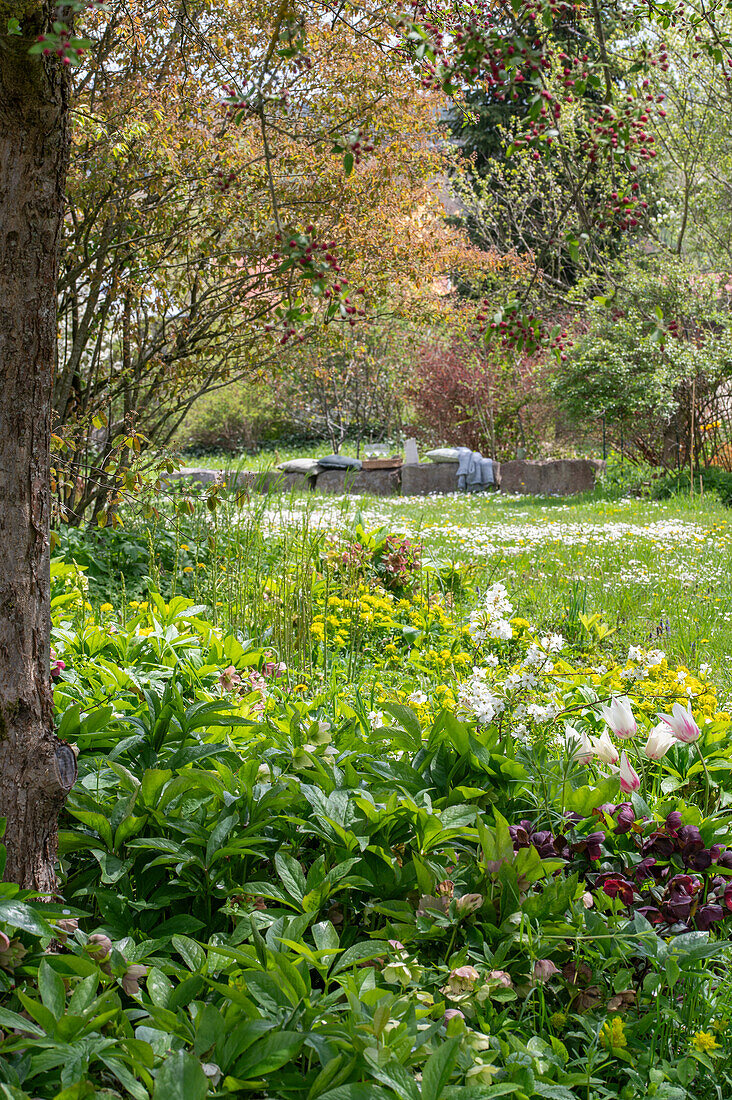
<point x="463" y="393"/>
<point x="172" y="259"/>
<point x="662" y="394"/>
<point x="35" y="770"/>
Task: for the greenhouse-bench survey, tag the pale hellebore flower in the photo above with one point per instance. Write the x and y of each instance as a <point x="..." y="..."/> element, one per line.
<point x="604" y="749"/>
<point x="502" y="977"/>
<point x="682" y="724"/>
<point x="460" y="981"/>
<point x="229" y="678"/>
<point x="578" y="744"/>
<point x="660" y="740"/>
<point x="619" y="717"/>
<point x="544" y="969"/>
<point x="629" y="779"/>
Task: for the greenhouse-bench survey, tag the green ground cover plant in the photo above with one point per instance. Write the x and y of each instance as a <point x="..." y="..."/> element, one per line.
<point x="385" y="799"/>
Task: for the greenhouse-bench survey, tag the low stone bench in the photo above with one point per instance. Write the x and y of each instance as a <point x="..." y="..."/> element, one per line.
<point x="552" y="477"/>
<point x="435" y="477"/>
<point x="378" y="483"/>
<point x="421" y="479"/>
<point x="266" y="481"/>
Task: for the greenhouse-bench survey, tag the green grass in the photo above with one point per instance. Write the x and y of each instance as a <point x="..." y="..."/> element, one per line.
<point x="660" y="572"/>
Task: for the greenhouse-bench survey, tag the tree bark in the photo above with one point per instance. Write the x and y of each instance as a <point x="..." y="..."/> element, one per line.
<point x="36" y="770"/>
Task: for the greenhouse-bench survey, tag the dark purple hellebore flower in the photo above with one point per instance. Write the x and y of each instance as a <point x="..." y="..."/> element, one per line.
<point x="625" y="818"/>
<point x="617" y="886"/>
<point x="706" y="915"/>
<point x="643" y="870"/>
<point x="543" y="841"/>
<point x="590" y="844"/>
<point x="690" y="840"/>
<point x="660" y="844"/>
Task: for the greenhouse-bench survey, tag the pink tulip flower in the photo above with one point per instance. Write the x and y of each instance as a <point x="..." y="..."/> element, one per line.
<point x="682" y="724"/>
<point x="620" y="718"/>
<point x="629" y="778"/>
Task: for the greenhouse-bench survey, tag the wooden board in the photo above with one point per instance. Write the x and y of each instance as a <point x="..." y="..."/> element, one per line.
<point x="381" y="464"/>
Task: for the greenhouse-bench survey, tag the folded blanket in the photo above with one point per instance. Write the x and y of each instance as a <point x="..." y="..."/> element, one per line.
<point x="474" y="473"/>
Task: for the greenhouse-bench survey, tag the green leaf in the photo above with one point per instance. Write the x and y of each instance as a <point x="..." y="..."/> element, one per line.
<point x="325" y="936"/>
<point x="348" y="163"/>
<point x="185" y="992"/>
<point x="159" y="987"/>
<point x="219" y="834"/>
<point x="291" y="874"/>
<point x="437" y="1070"/>
<point x="51" y="988"/>
<point x="97" y="822"/>
<point x="191" y="952"/>
<point x="553" y="1092"/>
<point x="355" y="1092"/>
<point x="19" y="915"/>
<point x="360" y="952"/>
<point x="408" y="720"/>
<point x="12" y="1020"/>
<point x="397" y="1078"/>
<point x="269" y="1054"/>
<point x="180" y="1078"/>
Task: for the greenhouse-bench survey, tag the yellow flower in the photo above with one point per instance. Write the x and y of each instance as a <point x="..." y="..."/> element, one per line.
<point x="612" y="1034"/>
<point x="106" y="607"/>
<point x="187" y="568"/>
<point x="183" y="546"/>
<point x="704" y="1042"/>
<point x="134" y="603"/>
<point x="143" y="606"/>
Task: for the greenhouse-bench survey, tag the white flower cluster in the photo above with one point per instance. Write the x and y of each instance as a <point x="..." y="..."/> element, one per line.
<point x="644" y="660"/>
<point x="477" y="699"/>
<point x="491" y="621"/>
<point x="545" y="712"/>
<point x="537" y="655"/>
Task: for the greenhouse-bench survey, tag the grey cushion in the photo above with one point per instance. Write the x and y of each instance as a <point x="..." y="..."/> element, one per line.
<point x="299" y="465"/>
<point x="339" y="462"/>
<point x="443" y="454"/>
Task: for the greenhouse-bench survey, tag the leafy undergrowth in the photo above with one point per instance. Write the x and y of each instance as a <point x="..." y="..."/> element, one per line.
<point x="450" y="856"/>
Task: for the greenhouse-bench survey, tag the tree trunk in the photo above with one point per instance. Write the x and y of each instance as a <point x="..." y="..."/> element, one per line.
<point x="36" y="770"/>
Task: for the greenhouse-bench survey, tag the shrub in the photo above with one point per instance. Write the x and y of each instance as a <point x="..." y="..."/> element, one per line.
<point x="462" y="396"/>
<point x="711" y="479"/>
<point x="237" y="417"/>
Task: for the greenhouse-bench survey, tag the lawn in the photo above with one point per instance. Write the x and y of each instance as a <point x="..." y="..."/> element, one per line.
<point x="660" y="572"/>
<point x="375" y="802"/>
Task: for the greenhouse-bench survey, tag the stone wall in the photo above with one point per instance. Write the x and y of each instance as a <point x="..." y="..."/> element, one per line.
<point x="379" y="483"/>
<point x="553" y="477"/>
<point x="429" y="477"/>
